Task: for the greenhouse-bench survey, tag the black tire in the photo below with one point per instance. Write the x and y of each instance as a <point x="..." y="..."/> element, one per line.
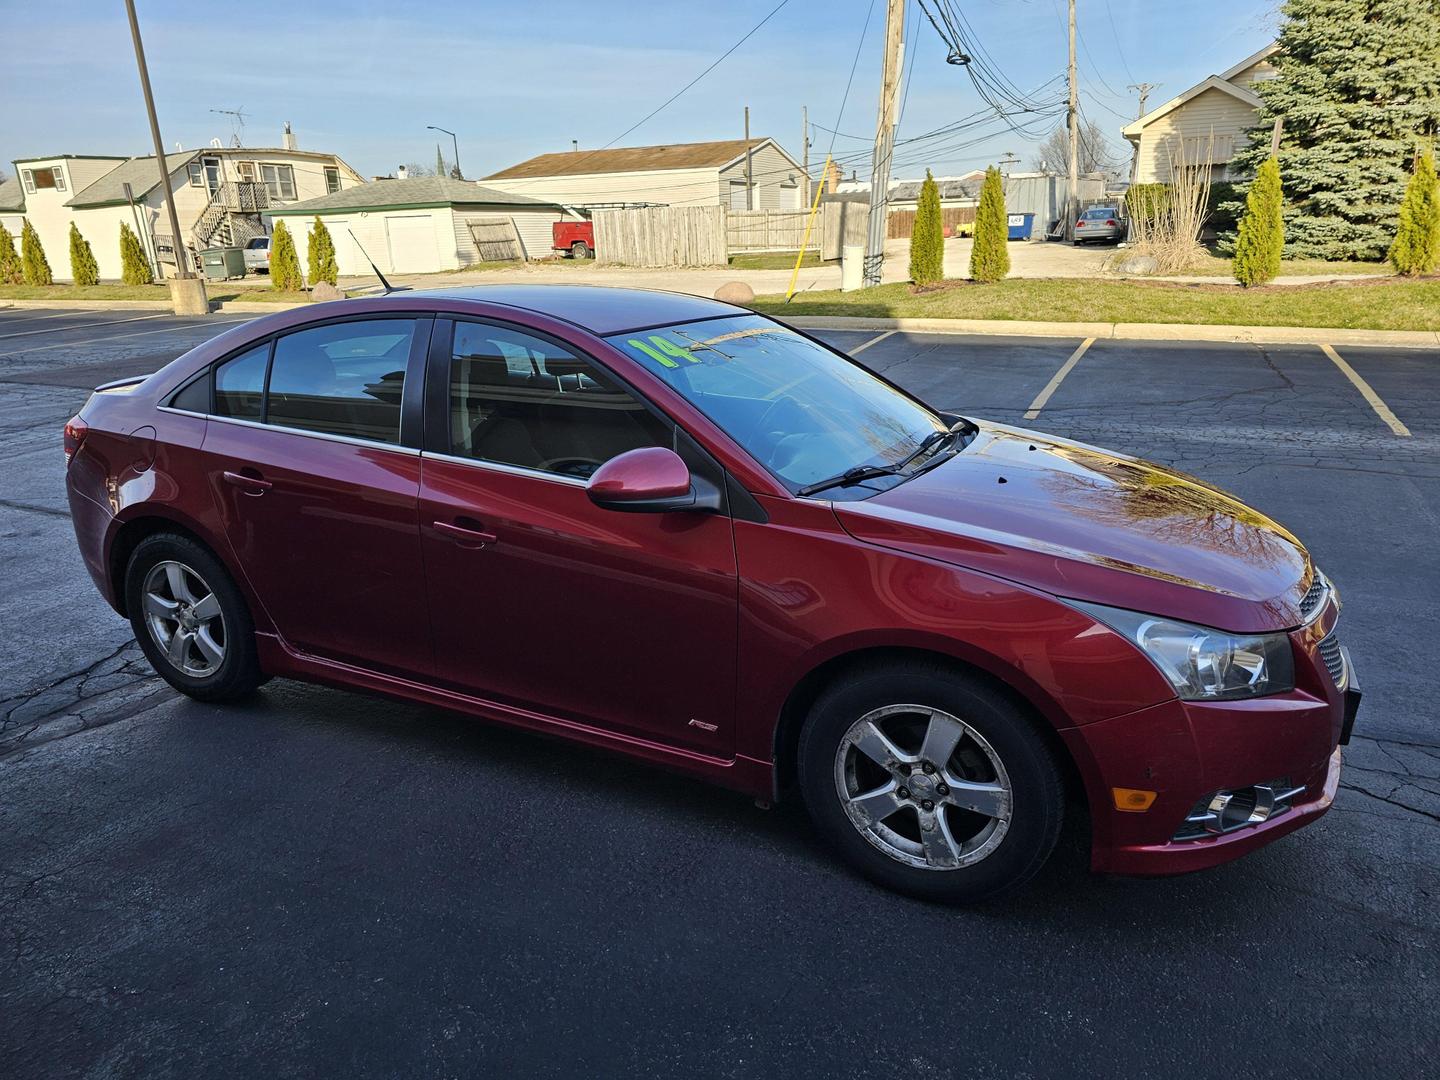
<point x="1036" y="784"/>
<point x="580" y="250"/>
<point x="238" y="674"/>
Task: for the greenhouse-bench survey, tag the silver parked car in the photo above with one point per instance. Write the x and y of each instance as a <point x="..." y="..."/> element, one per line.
<point x="257" y="255"/>
<point x="1099" y="223"/>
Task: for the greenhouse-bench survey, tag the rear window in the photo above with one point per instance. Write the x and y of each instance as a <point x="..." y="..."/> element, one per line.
<point x="1098" y="215"/>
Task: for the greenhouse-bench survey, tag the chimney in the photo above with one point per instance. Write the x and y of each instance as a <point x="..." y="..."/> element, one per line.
<point x="402" y="173"/>
<point x="574" y="146"/>
<point x="288" y="139"/>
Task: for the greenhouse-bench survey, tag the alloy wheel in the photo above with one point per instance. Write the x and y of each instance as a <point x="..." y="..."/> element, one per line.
<point x="184" y="618"/>
<point x="923" y="787"/>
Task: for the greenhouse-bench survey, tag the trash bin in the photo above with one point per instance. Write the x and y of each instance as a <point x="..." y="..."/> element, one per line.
<point x="223" y="263"/>
<point x="1020" y="226"/>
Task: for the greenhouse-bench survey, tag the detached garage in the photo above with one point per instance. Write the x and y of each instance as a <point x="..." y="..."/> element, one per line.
<point x="424" y="225"/>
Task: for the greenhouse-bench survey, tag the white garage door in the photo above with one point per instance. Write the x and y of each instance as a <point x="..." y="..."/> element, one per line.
<point x="412" y="243"/>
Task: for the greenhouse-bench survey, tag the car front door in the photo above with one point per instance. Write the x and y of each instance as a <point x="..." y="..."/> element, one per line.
<point x="317" y="490"/>
<point x="541" y="600"/>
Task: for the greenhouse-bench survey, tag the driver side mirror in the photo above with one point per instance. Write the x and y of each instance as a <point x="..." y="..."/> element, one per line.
<point x="651" y="480"/>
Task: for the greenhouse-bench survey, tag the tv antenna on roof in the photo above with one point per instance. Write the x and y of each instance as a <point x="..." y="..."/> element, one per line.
<point x="237" y="124"/>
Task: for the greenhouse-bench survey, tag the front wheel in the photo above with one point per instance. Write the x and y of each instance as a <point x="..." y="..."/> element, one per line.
<point x="931" y="782"/>
<point x="190" y="619"/>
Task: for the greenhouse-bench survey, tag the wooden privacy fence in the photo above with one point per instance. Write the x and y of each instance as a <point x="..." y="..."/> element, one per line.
<point x="496" y="239"/>
<point x="662" y="236"/>
<point x="768" y="230"/>
<point x="901" y="223"/>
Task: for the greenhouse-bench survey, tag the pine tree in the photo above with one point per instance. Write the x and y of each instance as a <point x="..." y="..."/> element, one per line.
<point x="1262" y="229"/>
<point x="927" y="236"/>
<point x="83" y="268"/>
<point x="1356" y="85"/>
<point x="32" y="257"/>
<point x="284" y="261"/>
<point x="989" y="257"/>
<point x="134" y="263"/>
<point x="321" y="254"/>
<point x="1417" y="239"/>
<point x="11" y="272"/>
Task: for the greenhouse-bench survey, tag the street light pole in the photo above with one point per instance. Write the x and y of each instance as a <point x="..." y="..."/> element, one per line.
<point x="182" y="270"/>
<point x="453" y="140"/>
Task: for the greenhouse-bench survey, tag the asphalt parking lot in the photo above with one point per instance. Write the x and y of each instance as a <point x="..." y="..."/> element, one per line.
<point x="321" y="883"/>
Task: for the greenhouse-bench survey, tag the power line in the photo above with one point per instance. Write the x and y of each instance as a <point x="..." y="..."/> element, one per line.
<point x="840" y="117"/>
<point x="1115" y="33"/>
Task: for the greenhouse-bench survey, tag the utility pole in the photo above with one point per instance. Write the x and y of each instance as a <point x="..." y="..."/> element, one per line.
<point x="749" y="191"/>
<point x="1007" y="161"/>
<point x="1072" y="191"/>
<point x="1143" y="89"/>
<point x="805" y="151"/>
<point x="885" y="121"/>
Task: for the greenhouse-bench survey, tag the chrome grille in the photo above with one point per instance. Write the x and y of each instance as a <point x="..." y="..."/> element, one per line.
<point x="1334" y="662"/>
<point x="1314" y="596"/>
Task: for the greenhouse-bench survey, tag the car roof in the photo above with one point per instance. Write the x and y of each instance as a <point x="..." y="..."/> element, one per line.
<point x="597" y="308"/>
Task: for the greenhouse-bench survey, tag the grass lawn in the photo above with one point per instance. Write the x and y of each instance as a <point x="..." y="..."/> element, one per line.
<point x="1384" y="305"/>
<point x="772" y="260"/>
<point x="1219" y="266"/>
<point x="218" y="292"/>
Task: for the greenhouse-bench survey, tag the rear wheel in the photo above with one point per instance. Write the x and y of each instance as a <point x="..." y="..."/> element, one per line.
<point x="580" y="250"/>
<point x="931" y="782"/>
<point x="190" y="619"/>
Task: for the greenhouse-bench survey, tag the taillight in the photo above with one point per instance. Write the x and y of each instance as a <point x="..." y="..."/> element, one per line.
<point x="1110" y="221"/>
<point x="75" y="432"/>
<point x="1079" y="224"/>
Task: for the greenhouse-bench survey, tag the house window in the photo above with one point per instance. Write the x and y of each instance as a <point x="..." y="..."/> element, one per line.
<point x="246" y="171"/>
<point x="332" y="180"/>
<point x="197" y="174"/>
<point x="280" y="180"/>
<point x="52" y="179"/>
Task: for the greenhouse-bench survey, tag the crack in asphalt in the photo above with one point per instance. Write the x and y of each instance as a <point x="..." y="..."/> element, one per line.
<point x="1391" y="801"/>
<point x="11" y="504"/>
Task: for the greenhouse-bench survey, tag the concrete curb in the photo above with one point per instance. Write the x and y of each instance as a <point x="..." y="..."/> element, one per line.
<point x="1261" y="335"/>
<point x="229" y="306"/>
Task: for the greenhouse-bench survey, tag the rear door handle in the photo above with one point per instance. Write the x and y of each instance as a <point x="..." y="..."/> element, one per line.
<point x="251" y="485"/>
<point x="466" y="536"/>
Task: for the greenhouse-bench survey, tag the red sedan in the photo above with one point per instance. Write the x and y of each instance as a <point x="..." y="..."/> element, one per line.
<point x="682" y="531"/>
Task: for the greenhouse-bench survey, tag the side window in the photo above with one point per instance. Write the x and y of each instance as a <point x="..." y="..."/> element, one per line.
<point x="240" y="384"/>
<point x="342" y="379"/>
<point x="519" y="400"/>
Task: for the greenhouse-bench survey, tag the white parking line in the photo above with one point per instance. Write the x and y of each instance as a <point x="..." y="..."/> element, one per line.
<point x="1054" y="384"/>
<point x="85" y="326"/>
<point x="1376" y="402"/>
<point x="873" y="341"/>
<point x="138" y="333"/>
<point x="22" y="315"/>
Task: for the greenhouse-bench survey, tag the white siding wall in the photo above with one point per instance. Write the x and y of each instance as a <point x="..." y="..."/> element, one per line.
<point x="371" y="230"/>
<point x="772" y="174"/>
<point x="671" y="187"/>
<point x="1256" y="72"/>
<point x="533" y="225"/>
<point x="1213" y="111"/>
<point x="47" y="213"/>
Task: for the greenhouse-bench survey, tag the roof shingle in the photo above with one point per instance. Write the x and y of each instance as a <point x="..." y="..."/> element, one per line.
<point x="140" y="173"/>
<point x="417" y="191"/>
<point x="630" y="159"/>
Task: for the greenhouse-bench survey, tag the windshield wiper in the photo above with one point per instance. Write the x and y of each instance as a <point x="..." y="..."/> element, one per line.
<point x="869" y="472"/>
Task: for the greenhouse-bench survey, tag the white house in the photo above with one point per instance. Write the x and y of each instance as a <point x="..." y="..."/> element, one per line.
<point x="682" y="174"/>
<point x="1209" y="122"/>
<point x="420" y="225"/>
<point x="219" y="193"/>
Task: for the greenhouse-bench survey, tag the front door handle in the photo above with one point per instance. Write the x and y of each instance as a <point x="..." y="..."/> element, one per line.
<point x="251" y="485"/>
<point x="466" y="535"/>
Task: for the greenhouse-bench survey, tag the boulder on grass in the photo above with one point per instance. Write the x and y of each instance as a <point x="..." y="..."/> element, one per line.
<point x="1138" y="264"/>
<point x="323" y="290"/>
<point x="735" y="292"/>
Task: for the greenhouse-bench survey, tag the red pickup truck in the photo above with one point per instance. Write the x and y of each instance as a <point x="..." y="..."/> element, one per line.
<point x="577" y="238"/>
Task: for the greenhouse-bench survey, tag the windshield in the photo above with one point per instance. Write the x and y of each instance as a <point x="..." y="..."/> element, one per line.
<point x="802" y="411"/>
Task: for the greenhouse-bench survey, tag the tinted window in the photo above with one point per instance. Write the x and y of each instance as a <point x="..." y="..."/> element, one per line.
<point x="239" y="383"/>
<point x="522" y="401"/>
<point x="343" y="379"/>
<point x="194" y="396"/>
<point x="1098" y="215"/>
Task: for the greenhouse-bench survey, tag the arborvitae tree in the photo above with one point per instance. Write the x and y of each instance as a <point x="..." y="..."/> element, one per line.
<point x="284" y="261"/>
<point x="35" y="266"/>
<point x="1356" y="86"/>
<point x="83" y="268"/>
<point x="927" y="237"/>
<point x="989" y="257"/>
<point x="322" y="254"/>
<point x="134" y="264"/>
<point x="1262" y="229"/>
<point x="11" y="272"/>
<point x="1417" y="239"/>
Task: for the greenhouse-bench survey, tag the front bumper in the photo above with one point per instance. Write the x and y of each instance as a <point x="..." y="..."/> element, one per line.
<point x="1186" y="752"/>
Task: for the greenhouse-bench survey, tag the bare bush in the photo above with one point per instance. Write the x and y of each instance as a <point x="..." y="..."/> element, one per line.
<point x="1169" y="230"/>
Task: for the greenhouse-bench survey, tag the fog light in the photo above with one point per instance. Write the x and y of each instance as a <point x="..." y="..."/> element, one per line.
<point x="1230" y="809"/>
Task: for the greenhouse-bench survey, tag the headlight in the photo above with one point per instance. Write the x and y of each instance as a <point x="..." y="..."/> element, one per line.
<point x="1204" y="664"/>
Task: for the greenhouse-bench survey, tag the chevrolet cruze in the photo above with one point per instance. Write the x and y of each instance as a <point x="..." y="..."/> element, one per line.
<point x="685" y="532"/>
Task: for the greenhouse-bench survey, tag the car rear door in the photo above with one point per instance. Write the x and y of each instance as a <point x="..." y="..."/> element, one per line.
<point x="312" y="453"/>
<point x="541" y="600"/>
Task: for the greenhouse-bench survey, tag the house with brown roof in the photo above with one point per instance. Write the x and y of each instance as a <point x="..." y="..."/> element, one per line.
<point x="680" y="174"/>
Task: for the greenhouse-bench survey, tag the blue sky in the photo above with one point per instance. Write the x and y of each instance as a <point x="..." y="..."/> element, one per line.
<point x="363" y="79"/>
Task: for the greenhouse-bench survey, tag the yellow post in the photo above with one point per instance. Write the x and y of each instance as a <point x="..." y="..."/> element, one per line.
<point x="809" y="224"/>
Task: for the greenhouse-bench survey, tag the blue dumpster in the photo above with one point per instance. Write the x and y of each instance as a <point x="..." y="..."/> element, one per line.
<point x="1020" y="226"/>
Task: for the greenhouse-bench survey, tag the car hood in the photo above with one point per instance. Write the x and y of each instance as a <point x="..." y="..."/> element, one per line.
<point x="1081" y="522"/>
